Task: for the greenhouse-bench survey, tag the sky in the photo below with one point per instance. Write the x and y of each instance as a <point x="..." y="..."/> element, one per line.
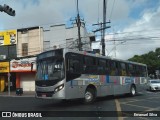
<point x="135" y="26"/>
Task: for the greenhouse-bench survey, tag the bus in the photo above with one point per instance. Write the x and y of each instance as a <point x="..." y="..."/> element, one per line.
<point x="68" y="74"/>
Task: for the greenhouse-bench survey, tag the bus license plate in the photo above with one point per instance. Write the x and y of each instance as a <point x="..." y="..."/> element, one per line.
<point x="43" y="95"/>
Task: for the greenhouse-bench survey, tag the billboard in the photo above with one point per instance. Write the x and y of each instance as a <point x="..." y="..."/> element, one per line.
<point x="23" y="65"/>
<point x="8" y="37"/>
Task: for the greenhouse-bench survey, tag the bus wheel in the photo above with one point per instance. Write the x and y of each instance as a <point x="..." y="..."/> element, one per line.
<point x="89" y="96"/>
<point x="133" y="90"/>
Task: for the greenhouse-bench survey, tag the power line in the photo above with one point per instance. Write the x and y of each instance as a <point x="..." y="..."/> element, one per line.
<point x="112" y="9"/>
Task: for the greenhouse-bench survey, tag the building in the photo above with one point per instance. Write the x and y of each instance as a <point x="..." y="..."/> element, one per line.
<point x="29" y="41"/>
<point x="18" y="51"/>
<point x="25" y="71"/>
<point x="29" y="44"/>
<point x="8" y="41"/>
<point x="59" y="36"/>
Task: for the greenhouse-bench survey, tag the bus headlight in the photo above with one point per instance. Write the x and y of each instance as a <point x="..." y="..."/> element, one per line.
<point x="58" y="88"/>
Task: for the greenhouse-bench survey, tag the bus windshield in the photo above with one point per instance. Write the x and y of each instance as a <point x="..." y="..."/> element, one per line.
<point x="51" y="69"/>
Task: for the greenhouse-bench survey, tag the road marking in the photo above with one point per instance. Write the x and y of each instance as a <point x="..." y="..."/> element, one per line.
<point x="118" y="107"/>
<point x="143" y="118"/>
<point x="152" y="109"/>
<point x="130" y="101"/>
<point x="134" y="100"/>
<point x="137" y="106"/>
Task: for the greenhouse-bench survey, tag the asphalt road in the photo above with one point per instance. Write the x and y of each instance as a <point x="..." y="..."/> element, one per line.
<point x="103" y="109"/>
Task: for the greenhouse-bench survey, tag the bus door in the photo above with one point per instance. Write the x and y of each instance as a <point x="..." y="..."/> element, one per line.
<point x="73" y="75"/>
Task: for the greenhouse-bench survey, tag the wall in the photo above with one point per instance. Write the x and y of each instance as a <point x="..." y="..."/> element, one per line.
<point x="62" y="37"/>
<point x="34" y="38"/>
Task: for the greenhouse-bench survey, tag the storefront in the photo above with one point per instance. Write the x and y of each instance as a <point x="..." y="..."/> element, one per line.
<point x="4" y="71"/>
<point x="25" y="76"/>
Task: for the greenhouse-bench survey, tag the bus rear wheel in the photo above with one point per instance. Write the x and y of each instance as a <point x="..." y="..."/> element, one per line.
<point x="89" y="96"/>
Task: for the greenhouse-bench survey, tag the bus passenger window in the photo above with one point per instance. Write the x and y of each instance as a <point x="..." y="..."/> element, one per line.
<point x="137" y="71"/>
<point x="89" y="65"/>
<point x="74" y="65"/>
<point x="123" y="69"/>
<point x="130" y="70"/>
<point x="143" y="71"/>
<point x="107" y="67"/>
<point x="113" y="68"/>
<point x="102" y="67"/>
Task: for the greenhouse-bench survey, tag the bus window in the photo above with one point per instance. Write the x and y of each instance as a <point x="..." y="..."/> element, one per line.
<point x="113" y="68"/>
<point x="138" y="71"/>
<point x="101" y="67"/>
<point x="107" y="67"/>
<point x="89" y="60"/>
<point x="123" y="69"/>
<point x="143" y="71"/>
<point x="89" y="65"/>
<point x="102" y="62"/>
<point x="131" y="70"/>
<point x="51" y="69"/>
<point x="74" y="66"/>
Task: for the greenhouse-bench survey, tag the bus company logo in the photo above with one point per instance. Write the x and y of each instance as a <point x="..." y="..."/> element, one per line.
<point x="126" y="80"/>
<point x="6" y="114"/>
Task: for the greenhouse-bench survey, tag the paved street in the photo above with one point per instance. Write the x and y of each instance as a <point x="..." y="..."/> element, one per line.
<point x="142" y="103"/>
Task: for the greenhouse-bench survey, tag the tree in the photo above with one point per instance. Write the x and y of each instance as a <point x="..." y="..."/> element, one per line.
<point x="151" y="59"/>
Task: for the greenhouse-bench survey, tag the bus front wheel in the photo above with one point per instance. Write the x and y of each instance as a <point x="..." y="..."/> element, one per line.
<point x="89" y="96"/>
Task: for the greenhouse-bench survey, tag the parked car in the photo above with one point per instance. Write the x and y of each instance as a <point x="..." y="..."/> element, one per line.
<point x="153" y="84"/>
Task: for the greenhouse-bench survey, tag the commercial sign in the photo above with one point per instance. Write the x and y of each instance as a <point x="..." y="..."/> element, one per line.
<point x="4" y="67"/>
<point x="23" y="65"/>
<point x="8" y="37"/>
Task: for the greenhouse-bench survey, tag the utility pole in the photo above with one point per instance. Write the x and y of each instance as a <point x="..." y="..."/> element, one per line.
<point x="103" y="27"/>
<point x="78" y="21"/>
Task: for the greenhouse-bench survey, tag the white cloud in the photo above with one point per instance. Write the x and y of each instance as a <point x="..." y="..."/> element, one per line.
<point x="43" y="12"/>
<point x="141" y="36"/>
<point x="38" y="12"/>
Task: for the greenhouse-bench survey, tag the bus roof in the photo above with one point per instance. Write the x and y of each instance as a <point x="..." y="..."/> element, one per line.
<point x="93" y="55"/>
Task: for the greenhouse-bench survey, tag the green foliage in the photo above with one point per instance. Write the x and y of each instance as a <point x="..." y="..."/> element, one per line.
<point x="151" y="59"/>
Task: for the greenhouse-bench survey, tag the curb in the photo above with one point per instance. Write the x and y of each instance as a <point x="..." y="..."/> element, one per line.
<point x="17" y="96"/>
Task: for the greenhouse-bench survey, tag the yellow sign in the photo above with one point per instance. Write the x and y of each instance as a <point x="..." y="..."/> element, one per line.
<point x="4" y="67"/>
<point x="8" y="37"/>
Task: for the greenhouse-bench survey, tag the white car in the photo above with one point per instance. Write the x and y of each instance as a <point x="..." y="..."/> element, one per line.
<point x="153" y="85"/>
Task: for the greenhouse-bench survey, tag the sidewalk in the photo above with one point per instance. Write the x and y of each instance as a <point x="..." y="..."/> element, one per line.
<point x="13" y="94"/>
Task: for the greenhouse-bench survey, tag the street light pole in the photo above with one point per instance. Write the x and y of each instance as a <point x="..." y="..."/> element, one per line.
<point x="9" y="83"/>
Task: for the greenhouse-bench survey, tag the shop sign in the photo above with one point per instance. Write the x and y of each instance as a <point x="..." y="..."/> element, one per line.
<point x="4" y="67"/>
<point x="8" y="37"/>
<point x="23" y="65"/>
